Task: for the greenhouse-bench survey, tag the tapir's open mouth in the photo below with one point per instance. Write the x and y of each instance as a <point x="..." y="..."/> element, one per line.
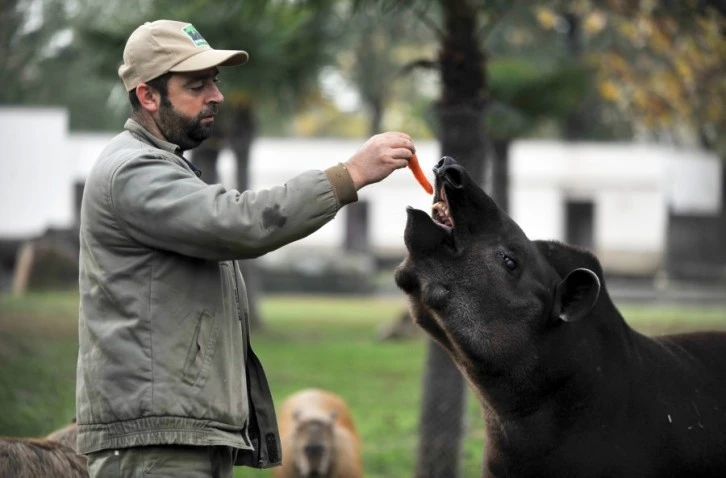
<point x="440" y="210"/>
<point x="449" y="176"/>
<point x="461" y="211"/>
<point x="451" y="212"/>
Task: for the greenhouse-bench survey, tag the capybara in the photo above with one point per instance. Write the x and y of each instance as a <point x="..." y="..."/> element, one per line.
<point x="39" y="458"/>
<point x="567" y="387"/>
<point x="319" y="438"/>
<point x="66" y="435"/>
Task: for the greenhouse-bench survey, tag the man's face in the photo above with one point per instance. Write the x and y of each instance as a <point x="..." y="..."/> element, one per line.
<point x="186" y="115"/>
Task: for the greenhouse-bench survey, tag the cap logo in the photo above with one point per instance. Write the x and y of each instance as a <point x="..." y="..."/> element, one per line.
<point x="194" y="36"/>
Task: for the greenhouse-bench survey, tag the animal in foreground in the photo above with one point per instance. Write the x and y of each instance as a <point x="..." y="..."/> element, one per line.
<point x="567" y="387"/>
<point x="319" y="437"/>
<point x="37" y="458"/>
<point x="66" y="435"/>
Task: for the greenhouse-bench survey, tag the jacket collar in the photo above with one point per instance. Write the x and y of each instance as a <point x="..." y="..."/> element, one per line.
<point x="135" y="127"/>
<point x="144" y="135"/>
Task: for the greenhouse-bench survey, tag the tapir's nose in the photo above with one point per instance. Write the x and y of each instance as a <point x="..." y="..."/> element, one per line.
<point x="449" y="170"/>
<point x="445" y="161"/>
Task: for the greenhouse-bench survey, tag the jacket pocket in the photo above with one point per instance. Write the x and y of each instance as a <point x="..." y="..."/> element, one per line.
<point x="201" y="350"/>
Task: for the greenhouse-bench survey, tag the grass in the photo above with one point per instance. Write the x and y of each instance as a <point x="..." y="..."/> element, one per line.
<point x="307" y="342"/>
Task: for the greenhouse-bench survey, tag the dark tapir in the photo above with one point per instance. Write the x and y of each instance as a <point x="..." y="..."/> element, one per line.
<point x="568" y="389"/>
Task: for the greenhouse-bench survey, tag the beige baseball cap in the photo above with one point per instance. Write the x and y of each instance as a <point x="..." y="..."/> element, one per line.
<point x="158" y="47"/>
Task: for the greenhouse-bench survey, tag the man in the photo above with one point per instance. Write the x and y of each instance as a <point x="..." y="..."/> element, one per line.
<point x="167" y="383"/>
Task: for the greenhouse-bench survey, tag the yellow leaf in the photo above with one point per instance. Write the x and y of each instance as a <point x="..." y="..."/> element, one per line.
<point x="640" y="98"/>
<point x="609" y="90"/>
<point x="714" y="111"/>
<point x="595" y="22"/>
<point x="660" y="42"/>
<point x="546" y="17"/>
<point x="684" y="70"/>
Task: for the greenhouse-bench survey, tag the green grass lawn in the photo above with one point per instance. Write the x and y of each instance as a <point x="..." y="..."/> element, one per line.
<point x="307" y="342"/>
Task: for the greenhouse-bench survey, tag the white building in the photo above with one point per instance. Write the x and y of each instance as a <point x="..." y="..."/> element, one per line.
<point x="614" y="198"/>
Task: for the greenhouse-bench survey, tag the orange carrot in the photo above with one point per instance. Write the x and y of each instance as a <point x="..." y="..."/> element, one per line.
<point x="419" y="174"/>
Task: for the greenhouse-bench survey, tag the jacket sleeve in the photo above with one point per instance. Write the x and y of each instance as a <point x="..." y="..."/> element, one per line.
<point x="163" y="205"/>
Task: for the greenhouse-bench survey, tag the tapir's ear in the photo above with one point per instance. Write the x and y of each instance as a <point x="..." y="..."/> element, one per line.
<point x="577" y="294"/>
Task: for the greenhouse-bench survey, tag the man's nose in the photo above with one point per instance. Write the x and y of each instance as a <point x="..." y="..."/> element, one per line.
<point x="216" y="95"/>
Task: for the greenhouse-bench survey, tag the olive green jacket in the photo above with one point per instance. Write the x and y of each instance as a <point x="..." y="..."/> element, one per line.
<point x="164" y="354"/>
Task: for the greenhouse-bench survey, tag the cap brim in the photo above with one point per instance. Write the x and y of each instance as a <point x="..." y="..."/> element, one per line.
<point x="209" y="58"/>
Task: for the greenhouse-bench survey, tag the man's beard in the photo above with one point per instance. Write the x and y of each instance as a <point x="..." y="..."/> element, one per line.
<point x="184" y="131"/>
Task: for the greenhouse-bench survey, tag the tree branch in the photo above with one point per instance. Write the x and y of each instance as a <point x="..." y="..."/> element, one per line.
<point x="423" y="63"/>
<point x="488" y="28"/>
<point x="429" y="22"/>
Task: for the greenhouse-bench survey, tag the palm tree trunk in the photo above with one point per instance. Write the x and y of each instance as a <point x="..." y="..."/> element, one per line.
<point x="357" y="214"/>
<point x="461" y="132"/>
<point x="242" y="133"/>
<point x="576" y="122"/>
<point x="377" y="107"/>
<point x="500" y="173"/>
<point x="441" y="425"/>
<point x="205" y="156"/>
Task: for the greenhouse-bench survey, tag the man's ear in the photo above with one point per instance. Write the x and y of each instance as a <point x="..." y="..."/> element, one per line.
<point x="148" y="97"/>
<point x="576" y="294"/>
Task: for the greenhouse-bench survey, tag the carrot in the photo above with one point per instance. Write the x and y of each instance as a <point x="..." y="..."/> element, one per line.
<point x="415" y="168"/>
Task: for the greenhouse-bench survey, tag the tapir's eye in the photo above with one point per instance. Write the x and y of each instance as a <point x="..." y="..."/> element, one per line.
<point x="509" y="263"/>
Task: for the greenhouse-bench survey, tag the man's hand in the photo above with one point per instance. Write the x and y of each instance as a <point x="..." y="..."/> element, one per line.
<point x="379" y="157"/>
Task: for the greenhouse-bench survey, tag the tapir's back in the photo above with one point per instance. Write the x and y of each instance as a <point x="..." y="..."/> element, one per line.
<point x="697" y="357"/>
<point x="667" y="419"/>
<point x="684" y="401"/>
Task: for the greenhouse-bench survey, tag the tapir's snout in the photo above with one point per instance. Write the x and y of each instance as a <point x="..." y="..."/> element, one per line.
<point x="461" y="210"/>
<point x="451" y="172"/>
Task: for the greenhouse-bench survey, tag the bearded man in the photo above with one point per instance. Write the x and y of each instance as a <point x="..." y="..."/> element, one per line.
<point x="167" y="383"/>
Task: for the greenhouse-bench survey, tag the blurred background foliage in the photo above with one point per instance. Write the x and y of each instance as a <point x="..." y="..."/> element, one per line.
<point x="349" y="68"/>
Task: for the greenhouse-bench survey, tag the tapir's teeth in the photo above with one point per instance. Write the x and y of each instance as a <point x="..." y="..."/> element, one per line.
<point x="441" y="214"/>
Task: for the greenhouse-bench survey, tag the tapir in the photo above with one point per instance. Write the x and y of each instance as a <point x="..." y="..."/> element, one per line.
<point x="567" y="387"/>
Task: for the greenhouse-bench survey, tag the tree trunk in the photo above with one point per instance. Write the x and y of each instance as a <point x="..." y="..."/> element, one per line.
<point x="576" y="122"/>
<point x="242" y="132"/>
<point x="376" y="106"/>
<point x="500" y="173"/>
<point x="356" y="228"/>
<point x="442" y="416"/>
<point x="461" y="132"/>
<point x="357" y="214"/>
<point x="205" y="156"/>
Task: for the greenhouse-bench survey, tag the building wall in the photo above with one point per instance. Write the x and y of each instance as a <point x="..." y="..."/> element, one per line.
<point x="631" y="186"/>
<point x="35" y="184"/>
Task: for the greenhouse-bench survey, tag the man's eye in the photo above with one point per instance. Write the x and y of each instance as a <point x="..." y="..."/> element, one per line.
<point x="200" y="86"/>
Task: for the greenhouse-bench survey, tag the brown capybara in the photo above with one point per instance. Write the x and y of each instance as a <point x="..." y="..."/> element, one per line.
<point x="36" y="458"/>
<point x="66" y="435"/>
<point x="319" y="439"/>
